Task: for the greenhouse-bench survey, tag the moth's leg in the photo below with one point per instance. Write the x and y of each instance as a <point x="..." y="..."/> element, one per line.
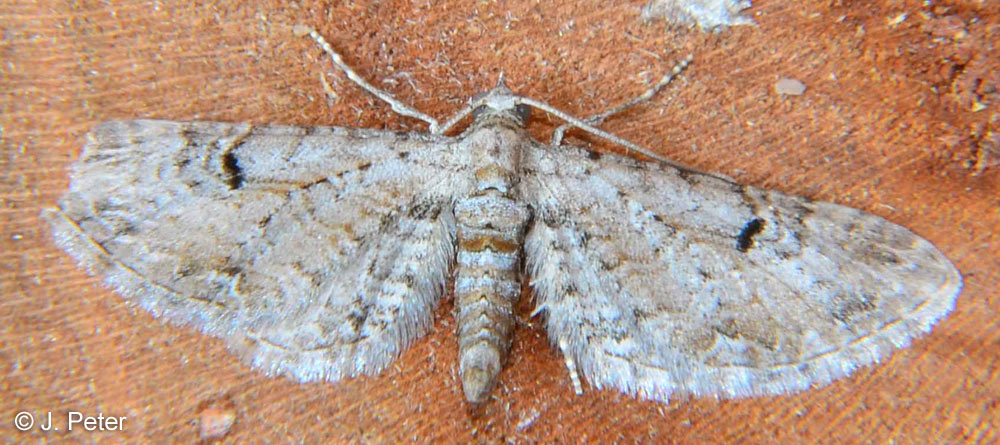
<point x="459" y="116"/>
<point x="574" y="376"/>
<point x="396" y="105"/>
<point x="575" y="122"/>
<point x="596" y="119"/>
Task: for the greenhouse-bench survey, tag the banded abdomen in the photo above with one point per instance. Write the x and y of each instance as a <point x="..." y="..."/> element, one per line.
<point x="490" y="226"/>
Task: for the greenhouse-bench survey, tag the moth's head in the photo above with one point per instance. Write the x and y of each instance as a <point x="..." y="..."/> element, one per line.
<point x="500" y="102"/>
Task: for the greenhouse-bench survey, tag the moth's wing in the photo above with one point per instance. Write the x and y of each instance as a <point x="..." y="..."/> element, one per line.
<point x="660" y="282"/>
<point x="316" y="252"/>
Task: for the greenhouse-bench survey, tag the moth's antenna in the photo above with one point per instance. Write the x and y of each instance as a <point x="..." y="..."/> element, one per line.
<point x="596" y="119"/>
<point x="396" y="104"/>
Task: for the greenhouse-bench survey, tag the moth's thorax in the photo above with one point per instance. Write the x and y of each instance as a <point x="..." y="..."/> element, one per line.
<point x="495" y="143"/>
<point x="502" y="102"/>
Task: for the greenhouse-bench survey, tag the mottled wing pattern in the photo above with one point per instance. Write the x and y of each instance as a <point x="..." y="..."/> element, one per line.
<point x="316" y="252"/>
<point x="662" y="282"/>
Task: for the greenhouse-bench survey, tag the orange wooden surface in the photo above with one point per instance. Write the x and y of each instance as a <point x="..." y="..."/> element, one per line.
<point x="889" y="123"/>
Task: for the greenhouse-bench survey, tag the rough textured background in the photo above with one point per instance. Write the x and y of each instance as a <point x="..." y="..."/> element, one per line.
<point x="900" y="118"/>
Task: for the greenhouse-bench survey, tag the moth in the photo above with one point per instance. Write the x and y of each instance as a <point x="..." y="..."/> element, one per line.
<point x="320" y="253"/>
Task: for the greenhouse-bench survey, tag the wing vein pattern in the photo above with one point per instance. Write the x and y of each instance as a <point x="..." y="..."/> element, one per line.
<point x="314" y="252"/>
<point x="661" y="282"/>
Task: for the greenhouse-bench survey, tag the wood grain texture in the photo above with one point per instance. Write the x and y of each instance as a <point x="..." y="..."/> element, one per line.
<point x="887" y="125"/>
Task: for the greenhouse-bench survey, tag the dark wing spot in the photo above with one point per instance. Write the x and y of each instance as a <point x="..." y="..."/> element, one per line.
<point x="745" y="239"/>
<point x="234" y="175"/>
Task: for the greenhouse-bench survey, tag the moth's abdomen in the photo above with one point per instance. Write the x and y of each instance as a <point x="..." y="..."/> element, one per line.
<point x="487" y="284"/>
